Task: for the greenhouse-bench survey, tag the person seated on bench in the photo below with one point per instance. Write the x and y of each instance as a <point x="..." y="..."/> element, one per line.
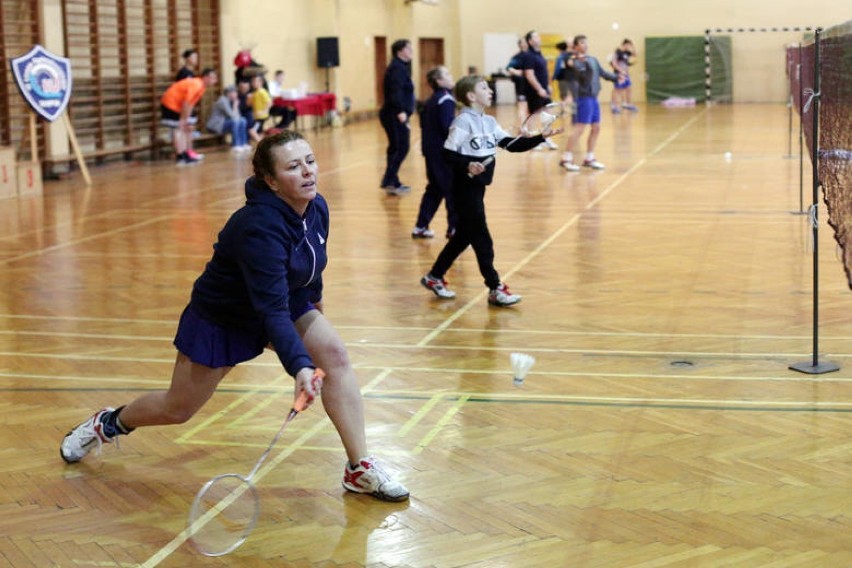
<point x="287" y="115"/>
<point x="225" y="118"/>
<point x="176" y="107"/>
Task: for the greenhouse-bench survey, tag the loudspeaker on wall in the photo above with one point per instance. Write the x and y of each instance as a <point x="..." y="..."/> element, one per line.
<point x="327" y="52"/>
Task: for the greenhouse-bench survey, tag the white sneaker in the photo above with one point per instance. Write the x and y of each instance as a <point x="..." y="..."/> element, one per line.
<point x="421" y="233"/>
<point x="551" y="145"/>
<point x="369" y="477"/>
<point x="502" y="297"/>
<point x="569" y="166"/>
<point x="438" y="286"/>
<point x="85" y="437"/>
<point x="396" y="189"/>
<point x="594" y="164"/>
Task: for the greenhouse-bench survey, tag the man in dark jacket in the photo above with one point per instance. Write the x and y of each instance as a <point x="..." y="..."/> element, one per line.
<point x="395" y="112"/>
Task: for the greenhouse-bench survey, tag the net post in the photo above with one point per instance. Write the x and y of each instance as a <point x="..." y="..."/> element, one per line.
<point x="815" y="367"/>
<point x="708" y="90"/>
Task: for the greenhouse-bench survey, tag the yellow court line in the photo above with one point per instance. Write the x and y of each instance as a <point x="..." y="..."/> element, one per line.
<point x="231" y="444"/>
<point x="262" y="405"/>
<point x="445" y="419"/>
<point x="205" y="423"/>
<point x="478" y="297"/>
<point x="183" y="536"/>
<point x="378" y="379"/>
<point x="303" y="448"/>
<point x="106" y="564"/>
<point x="418" y="416"/>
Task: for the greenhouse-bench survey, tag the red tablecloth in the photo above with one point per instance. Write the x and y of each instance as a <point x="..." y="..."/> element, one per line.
<point x="313" y="104"/>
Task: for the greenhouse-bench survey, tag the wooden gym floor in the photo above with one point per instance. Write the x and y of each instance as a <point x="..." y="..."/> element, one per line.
<point x="664" y="299"/>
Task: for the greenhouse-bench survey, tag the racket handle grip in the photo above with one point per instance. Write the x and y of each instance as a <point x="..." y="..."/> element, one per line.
<point x="484" y="162"/>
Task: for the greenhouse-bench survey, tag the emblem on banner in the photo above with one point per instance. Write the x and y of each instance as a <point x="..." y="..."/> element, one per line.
<point x="44" y="80"/>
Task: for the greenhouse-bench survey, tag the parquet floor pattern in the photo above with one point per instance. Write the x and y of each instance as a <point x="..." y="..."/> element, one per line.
<point x="664" y="299"/>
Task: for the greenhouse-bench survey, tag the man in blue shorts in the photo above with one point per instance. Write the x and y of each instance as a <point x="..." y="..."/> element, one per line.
<point x="588" y="72"/>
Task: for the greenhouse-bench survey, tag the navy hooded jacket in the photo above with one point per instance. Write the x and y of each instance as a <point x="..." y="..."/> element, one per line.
<point x="267" y="263"/>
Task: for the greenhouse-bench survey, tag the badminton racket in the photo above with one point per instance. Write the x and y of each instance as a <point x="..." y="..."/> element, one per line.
<point x="546" y="120"/>
<point x="226" y="509"/>
<point x="484" y="163"/>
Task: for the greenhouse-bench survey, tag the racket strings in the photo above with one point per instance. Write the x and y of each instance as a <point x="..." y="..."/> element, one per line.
<point x="223" y="515"/>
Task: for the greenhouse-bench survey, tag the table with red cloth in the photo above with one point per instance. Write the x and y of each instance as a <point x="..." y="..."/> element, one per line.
<point x="317" y="105"/>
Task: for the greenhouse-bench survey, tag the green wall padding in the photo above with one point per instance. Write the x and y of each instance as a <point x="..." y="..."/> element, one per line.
<point x="675" y="68"/>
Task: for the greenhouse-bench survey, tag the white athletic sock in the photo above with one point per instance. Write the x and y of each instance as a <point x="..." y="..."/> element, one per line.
<point x="590" y="156"/>
<point x="568" y="157"/>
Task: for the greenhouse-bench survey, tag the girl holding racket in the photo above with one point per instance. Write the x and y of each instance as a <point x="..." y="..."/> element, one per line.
<point x="262" y="287"/>
<point x="470" y="150"/>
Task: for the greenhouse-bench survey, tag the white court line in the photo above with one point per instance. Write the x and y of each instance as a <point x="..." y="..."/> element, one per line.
<point x="106" y="214"/>
<point x="87" y="318"/>
<point x="481" y="295"/>
<point x="470" y="396"/>
<point x="660" y="376"/>
<point x="80" y="335"/>
<point x="96" y="236"/>
<point x="737" y="355"/>
<point x="234" y="182"/>
<point x="462" y="330"/>
<point x="797" y="378"/>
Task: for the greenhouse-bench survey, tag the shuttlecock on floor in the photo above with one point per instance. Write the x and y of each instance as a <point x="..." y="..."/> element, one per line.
<point x="521" y="365"/>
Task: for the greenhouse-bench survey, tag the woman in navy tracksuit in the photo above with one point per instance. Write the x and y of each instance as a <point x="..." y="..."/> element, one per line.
<point x="263" y="286"/>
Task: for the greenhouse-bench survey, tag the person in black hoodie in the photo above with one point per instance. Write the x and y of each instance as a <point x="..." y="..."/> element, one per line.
<point x="262" y="287"/>
<point x="395" y="113"/>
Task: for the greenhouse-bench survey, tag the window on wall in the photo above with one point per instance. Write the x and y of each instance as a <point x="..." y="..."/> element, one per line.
<point x="124" y="54"/>
<point x="19" y="31"/>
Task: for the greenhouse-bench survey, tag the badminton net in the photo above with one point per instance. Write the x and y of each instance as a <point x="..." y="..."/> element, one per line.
<point x="835" y="126"/>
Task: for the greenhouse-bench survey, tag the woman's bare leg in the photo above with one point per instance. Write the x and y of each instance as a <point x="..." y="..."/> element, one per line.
<point x="192" y="386"/>
<point x="341" y="395"/>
